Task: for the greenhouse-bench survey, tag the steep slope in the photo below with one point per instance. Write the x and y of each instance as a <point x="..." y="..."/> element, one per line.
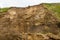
<point x="30" y="23"/>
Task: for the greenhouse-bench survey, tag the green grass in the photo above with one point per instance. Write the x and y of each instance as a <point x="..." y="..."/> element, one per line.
<point x="3" y="9"/>
<point x="54" y="7"/>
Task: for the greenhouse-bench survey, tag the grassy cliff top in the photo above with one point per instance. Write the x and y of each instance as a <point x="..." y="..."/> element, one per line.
<point x="54" y="7"/>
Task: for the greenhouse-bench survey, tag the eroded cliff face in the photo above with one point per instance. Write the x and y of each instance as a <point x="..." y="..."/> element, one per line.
<point x="30" y="23"/>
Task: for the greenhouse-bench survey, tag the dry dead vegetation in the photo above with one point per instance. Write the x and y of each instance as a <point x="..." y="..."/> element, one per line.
<point x="30" y="23"/>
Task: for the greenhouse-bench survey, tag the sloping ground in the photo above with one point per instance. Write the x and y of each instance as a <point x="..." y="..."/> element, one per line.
<point x="30" y="23"/>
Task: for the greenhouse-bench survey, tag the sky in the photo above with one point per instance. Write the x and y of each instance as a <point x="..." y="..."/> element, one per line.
<point x="24" y="3"/>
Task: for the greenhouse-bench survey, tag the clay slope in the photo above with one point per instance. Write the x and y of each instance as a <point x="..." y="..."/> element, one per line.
<point x="30" y="23"/>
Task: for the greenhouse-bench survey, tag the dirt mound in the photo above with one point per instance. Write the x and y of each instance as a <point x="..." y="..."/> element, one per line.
<point x="30" y="23"/>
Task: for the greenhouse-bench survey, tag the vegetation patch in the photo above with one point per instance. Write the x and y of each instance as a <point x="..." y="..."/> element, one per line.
<point x="54" y="7"/>
<point x="3" y="9"/>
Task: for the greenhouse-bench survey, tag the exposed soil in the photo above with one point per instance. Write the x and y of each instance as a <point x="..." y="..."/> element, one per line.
<point x="30" y="23"/>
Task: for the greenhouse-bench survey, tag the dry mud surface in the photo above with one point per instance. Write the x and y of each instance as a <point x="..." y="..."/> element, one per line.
<point x="30" y="23"/>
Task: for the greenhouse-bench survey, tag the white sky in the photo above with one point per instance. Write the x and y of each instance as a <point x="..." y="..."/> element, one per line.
<point x="24" y="3"/>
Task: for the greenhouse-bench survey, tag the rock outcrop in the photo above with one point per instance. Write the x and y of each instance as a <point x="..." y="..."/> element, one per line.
<point x="30" y="23"/>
